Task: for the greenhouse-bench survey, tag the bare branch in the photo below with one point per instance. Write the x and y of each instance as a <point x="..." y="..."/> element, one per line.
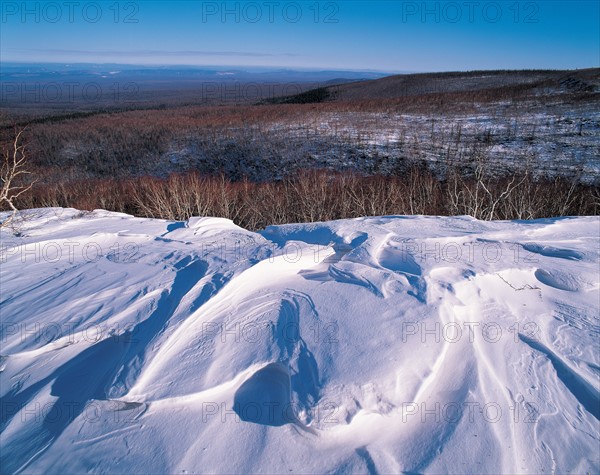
<point x="13" y="166"/>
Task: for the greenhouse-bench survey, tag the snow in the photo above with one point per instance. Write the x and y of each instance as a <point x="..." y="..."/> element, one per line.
<point x="554" y="142"/>
<point x="377" y="344"/>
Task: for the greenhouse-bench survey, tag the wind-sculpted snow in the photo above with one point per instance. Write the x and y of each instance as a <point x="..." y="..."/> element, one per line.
<point x="373" y="345"/>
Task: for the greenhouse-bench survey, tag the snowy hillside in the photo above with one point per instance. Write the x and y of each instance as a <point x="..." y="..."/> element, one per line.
<point x="373" y="345"/>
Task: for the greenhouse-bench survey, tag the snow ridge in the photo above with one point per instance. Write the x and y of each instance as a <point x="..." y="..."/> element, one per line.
<point x="371" y="345"/>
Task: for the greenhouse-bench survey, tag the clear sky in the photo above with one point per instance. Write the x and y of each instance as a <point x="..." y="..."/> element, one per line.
<point x="363" y="35"/>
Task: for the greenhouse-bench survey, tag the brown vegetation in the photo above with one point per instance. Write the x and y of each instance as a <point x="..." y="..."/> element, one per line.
<point x="322" y="196"/>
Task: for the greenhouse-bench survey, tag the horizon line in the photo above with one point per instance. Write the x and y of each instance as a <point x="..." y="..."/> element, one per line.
<point x="279" y="68"/>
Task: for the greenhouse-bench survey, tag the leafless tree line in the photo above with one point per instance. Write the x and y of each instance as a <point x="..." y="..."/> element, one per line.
<point x="322" y="196"/>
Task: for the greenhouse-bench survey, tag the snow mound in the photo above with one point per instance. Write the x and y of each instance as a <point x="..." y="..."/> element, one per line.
<point x="379" y="345"/>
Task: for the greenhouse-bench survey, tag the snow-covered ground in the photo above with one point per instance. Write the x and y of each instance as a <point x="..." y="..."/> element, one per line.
<point x="558" y="143"/>
<point x="372" y="345"/>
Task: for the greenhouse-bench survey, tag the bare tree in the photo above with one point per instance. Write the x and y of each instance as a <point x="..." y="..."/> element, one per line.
<point x="482" y="195"/>
<point x="14" y="167"/>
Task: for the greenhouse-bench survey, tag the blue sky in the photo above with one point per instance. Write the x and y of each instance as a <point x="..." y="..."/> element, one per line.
<point x="375" y="35"/>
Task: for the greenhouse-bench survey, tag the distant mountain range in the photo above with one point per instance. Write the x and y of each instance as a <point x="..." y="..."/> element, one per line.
<point x="48" y="72"/>
<point x="497" y="82"/>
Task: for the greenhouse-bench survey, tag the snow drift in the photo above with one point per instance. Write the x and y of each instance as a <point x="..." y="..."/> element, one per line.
<point x="371" y="345"/>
